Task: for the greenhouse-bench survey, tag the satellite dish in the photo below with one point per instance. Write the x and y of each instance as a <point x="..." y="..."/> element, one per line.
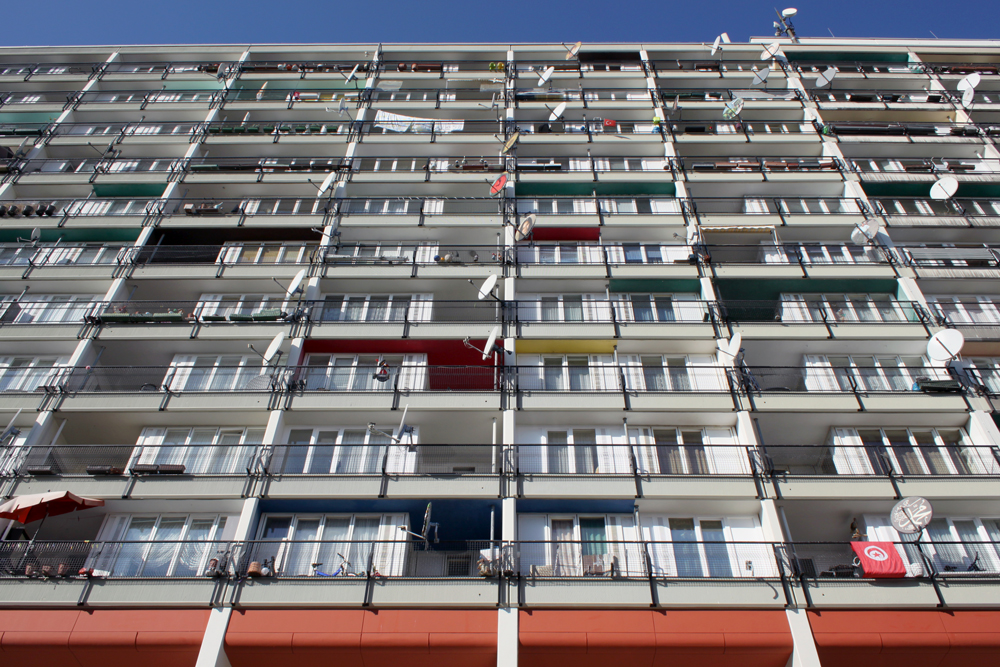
<point x="945" y="345"/>
<point x="36" y="234"/>
<point x="342" y="107"/>
<point x="545" y="76"/>
<point x="716" y="44"/>
<point x="557" y="112"/>
<point x="676" y="105"/>
<point x="826" y="77"/>
<point x="426" y="530"/>
<point x="327" y="182"/>
<point x="573" y="50"/>
<point x="490" y="342"/>
<point x="272" y="349"/>
<point x="524" y="229"/>
<point x="511" y="142"/>
<point x="498" y="185"/>
<point x="258" y="383"/>
<point x="859" y="236"/>
<point x="968" y="96"/>
<point x="296" y="283"/>
<point x="970" y="81"/>
<point x="770" y="50"/>
<point x="760" y="77"/>
<point x="911" y="515"/>
<point x="789" y="13"/>
<point x="260" y="93"/>
<point x="725" y="38"/>
<point x="733" y="109"/>
<point x="944" y="188"/>
<point x="487" y="288"/>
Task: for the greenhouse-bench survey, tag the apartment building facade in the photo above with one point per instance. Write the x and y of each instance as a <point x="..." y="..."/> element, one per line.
<point x="249" y="297"/>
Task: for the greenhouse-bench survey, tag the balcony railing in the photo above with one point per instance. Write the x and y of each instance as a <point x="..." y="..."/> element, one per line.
<point x="276" y="128"/>
<point x="64" y="254"/>
<point x="429" y="165"/>
<point x="778" y="206"/>
<point x="865" y="380"/>
<point x="243" y="254"/>
<point x="753" y="128"/>
<point x="840" y="460"/>
<point x="654" y="378"/>
<point x="708" y="67"/>
<point x="647" y="461"/>
<point x="716" y="163"/>
<point x="431" y="66"/>
<point x="923" y="559"/>
<point x="94" y="166"/>
<point x="146" y="97"/>
<point x="164" y="70"/>
<point x="120" y="560"/>
<point x="636" y="95"/>
<point x="897" y="207"/>
<point x="104" y="460"/>
<point x="75" y="208"/>
<point x="314" y="67"/>
<point x="883" y="165"/>
<point x="267" y="165"/>
<point x="881" y="97"/>
<point x="859" y="128"/>
<point x="860" y="67"/>
<point x="112" y="131"/>
<point x="951" y="256"/>
<point x="689" y="95"/>
<point x="819" y="311"/>
<point x="797" y="253"/>
<point x="432" y="127"/>
<point x="29" y="70"/>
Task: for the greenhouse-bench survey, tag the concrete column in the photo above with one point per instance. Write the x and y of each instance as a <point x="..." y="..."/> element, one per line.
<point x="507" y="615"/>
<point x="803" y="645"/>
<point x="213" y="650"/>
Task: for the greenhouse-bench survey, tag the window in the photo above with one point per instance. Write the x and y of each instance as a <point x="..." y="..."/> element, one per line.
<point x="909" y="452"/>
<point x="680" y="451"/>
<point x="656" y="373"/>
<point x="242" y="307"/>
<point x="343" y="451"/>
<point x="161" y="545"/>
<point x="363" y="372"/>
<point x="564" y="308"/>
<point x="966" y="309"/>
<point x="28" y="373"/>
<point x="573" y="545"/>
<point x="845" y="308"/>
<point x="867" y="373"/>
<point x="707" y="547"/>
<point x="567" y="373"/>
<point x="986" y="371"/>
<point x="375" y="308"/>
<point x="953" y="544"/>
<point x="304" y="545"/>
<point x="46" y="309"/>
<point x="201" y="450"/>
<point x="266" y="253"/>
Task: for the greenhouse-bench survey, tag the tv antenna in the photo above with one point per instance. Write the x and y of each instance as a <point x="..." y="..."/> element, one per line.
<point x="403" y="430"/>
<point x="968" y="87"/>
<point x="675" y="106"/>
<point x="572" y="51"/>
<point x="487" y="288"/>
<point x="911" y="515"/>
<point x="826" y="77"/>
<point x="353" y="76"/>
<point x="294" y="287"/>
<point x="260" y="93"/>
<point x="945" y="345"/>
<point x="944" y="188"/>
<point x="341" y="109"/>
<point x="783" y="26"/>
<point x="498" y="185"/>
<point x="523" y="230"/>
<point x="425" y="532"/>
<point x="491" y="348"/>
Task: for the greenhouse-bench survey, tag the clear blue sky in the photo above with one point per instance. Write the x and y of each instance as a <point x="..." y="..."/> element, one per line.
<point x="55" y="22"/>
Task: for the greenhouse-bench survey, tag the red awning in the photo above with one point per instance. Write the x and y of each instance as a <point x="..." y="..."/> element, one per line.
<point x="26" y="509"/>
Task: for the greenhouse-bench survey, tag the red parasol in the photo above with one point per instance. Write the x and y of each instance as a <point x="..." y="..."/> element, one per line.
<point x="26" y="509"/>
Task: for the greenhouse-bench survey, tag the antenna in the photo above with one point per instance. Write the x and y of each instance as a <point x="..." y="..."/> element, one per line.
<point x="944" y="188"/>
<point x="675" y="106"/>
<point x="491" y="344"/>
<point x="273" y="348"/>
<point x="544" y="77"/>
<point x="572" y="51"/>
<point x="401" y="431"/>
<point x="487" y="288"/>
<point x="353" y="75"/>
<point x="911" y="515"/>
<point x="945" y="345"/>
<point x="524" y="229"/>
<point x="326" y="184"/>
<point x="760" y="76"/>
<point x="783" y="26"/>
<point x="733" y="109"/>
<point x="34" y="238"/>
<point x="425" y="532"/>
<point x="556" y="114"/>
<point x="260" y="93"/>
<point x="826" y="77"/>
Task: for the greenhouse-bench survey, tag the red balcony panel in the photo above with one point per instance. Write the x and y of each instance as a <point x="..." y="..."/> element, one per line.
<point x="566" y="234"/>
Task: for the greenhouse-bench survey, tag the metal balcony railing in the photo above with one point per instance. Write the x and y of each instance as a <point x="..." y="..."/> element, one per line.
<point x="622" y="309"/>
<point x="277" y="128"/>
<point x="951" y="256"/>
<point x="467" y="164"/>
<point x="896" y="207"/>
<point x="586" y="95"/>
<point x="75" y="208"/>
<point x="163" y="69"/>
<point x="429" y="126"/>
<point x="29" y="70"/>
<point x="716" y="163"/>
<point x="864" y="128"/>
<point x="807" y="68"/>
<point x="819" y="311"/>
<point x="421" y="254"/>
<point x="683" y="559"/>
<point x="160" y="559"/>
<point x="63" y="254"/>
<point x="243" y="254"/>
<point x="439" y="461"/>
<point x="876" y="96"/>
<point x="924" y="559"/>
<point x="690" y="95"/>
<point x="864" y="380"/>
<point x="310" y="67"/>
<point x="431" y="66"/>
<point x="97" y="165"/>
<point x="962" y="69"/>
<point x="250" y="92"/>
<point x="146" y="97"/>
<point x="579" y="377"/>
<point x="266" y="165"/>
<point x="647" y="461"/>
<point x="777" y="205"/>
<point x="708" y="66"/>
<point x="931" y="165"/>
<point x="533" y="67"/>
<point x="733" y="128"/>
<point x="437" y="96"/>
<point x="104" y="460"/>
<point x="904" y="460"/>
<point x="797" y="253"/>
<point x="372" y="378"/>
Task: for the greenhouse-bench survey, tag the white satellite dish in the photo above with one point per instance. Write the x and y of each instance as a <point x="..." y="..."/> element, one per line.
<point x="826" y="77"/>
<point x="725" y="38"/>
<point x="36" y="234"/>
<point x="573" y="50"/>
<point x="911" y="515"/>
<point x="675" y="106"/>
<point x="970" y="81"/>
<point x="524" y="229"/>
<point x="342" y="107"/>
<point x="789" y="13"/>
<point x="944" y="188"/>
<point x="860" y="235"/>
<point x="945" y="345"/>
<point x="557" y="112"/>
<point x="760" y="76"/>
<point x="968" y="96"/>
<point x="487" y="288"/>
<point x="296" y="283"/>
<point x="716" y="45"/>
<point x="327" y="182"/>
<point x="544" y="77"/>
<point x="272" y="349"/>
<point x="490" y="342"/>
<point x="733" y="109"/>
<point x="770" y="50"/>
<point x="260" y="93"/>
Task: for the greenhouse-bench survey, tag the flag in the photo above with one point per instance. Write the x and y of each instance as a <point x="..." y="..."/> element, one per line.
<point x="879" y="560"/>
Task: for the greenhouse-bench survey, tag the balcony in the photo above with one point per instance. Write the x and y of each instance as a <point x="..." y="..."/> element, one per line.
<point x="429" y="130"/>
<point x="832" y="472"/>
<point x="597" y="261"/>
<point x="874" y="99"/>
<point x="268" y="69"/>
<point x="635" y="317"/>
<point x="722" y="68"/>
<point x="648" y="574"/>
<point x="73" y="261"/>
<point x="753" y="131"/>
<point x="870" y="131"/>
<point x="754" y="211"/>
<point x="937" y="575"/>
<point x="760" y="169"/>
<point x="108" y="169"/>
<point x="822" y="318"/>
<point x="641" y="471"/>
<point x="423" y="169"/>
<point x="825" y="388"/>
<point x="952" y="261"/>
<point x="275" y="131"/>
<point x="977" y="318"/>
<point x="927" y="212"/>
<point x="49" y="72"/>
<point x="800" y="260"/>
<point x="924" y="170"/>
<point x="97" y="212"/>
<point x="861" y="69"/>
<point x="701" y="98"/>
